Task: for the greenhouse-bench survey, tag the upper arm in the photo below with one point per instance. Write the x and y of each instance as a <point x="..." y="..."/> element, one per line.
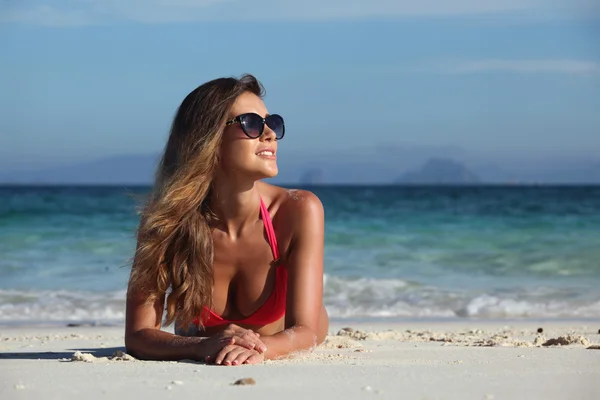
<point x="140" y="313"/>
<point x="305" y="261"/>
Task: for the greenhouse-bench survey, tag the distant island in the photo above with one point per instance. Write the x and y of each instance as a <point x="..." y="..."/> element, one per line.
<point x="376" y="166"/>
<point x="313" y="176"/>
<point x="440" y="171"/>
<point x="116" y="170"/>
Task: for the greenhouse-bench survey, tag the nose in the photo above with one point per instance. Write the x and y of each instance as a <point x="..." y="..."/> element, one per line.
<point x="268" y="134"/>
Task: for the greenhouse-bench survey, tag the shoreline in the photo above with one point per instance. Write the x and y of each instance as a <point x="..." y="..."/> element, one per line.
<point x="380" y="322"/>
<point x="459" y="359"/>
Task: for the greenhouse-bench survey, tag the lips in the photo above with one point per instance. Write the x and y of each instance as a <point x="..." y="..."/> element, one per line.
<point x="266" y="152"/>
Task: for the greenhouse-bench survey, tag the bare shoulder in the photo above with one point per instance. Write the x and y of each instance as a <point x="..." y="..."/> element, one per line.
<point x="296" y="206"/>
<point x="299" y="222"/>
<point x="302" y="201"/>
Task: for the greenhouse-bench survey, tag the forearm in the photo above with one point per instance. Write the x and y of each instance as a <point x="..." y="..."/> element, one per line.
<point x="154" y="344"/>
<point x="296" y="338"/>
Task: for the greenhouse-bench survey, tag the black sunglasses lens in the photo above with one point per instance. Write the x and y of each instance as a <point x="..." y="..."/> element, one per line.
<point x="275" y="122"/>
<point x="252" y="124"/>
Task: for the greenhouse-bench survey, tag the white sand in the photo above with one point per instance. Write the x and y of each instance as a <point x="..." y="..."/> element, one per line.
<point x="422" y="360"/>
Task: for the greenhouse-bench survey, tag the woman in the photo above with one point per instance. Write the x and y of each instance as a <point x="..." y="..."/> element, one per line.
<point x="238" y="261"/>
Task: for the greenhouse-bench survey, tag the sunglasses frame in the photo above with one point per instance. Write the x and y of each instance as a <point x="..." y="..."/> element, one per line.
<point x="238" y="119"/>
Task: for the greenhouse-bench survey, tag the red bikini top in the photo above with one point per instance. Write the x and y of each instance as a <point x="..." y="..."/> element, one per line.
<point x="274" y="308"/>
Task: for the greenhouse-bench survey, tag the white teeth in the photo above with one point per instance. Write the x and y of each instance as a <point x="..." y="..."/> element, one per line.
<point x="265" y="153"/>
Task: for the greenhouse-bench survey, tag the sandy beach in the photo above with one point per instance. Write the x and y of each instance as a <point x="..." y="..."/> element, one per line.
<point x="469" y="359"/>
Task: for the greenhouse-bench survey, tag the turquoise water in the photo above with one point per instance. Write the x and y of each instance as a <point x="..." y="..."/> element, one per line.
<point x="485" y="252"/>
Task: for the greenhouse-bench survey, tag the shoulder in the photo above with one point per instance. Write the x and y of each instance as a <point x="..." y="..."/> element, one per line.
<point x="302" y="202"/>
<point x="304" y="213"/>
<point x="297" y="207"/>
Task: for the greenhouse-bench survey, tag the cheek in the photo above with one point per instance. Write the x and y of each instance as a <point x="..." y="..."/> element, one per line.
<point x="236" y="154"/>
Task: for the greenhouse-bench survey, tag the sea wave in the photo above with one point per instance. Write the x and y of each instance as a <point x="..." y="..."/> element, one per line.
<point x="370" y="297"/>
<point x="61" y="305"/>
<point x="344" y="297"/>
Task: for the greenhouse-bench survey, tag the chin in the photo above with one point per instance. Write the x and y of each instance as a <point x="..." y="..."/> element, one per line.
<point x="271" y="173"/>
<point x="257" y="175"/>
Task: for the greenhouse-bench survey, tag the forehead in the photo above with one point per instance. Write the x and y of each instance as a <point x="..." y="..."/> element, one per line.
<point x="248" y="102"/>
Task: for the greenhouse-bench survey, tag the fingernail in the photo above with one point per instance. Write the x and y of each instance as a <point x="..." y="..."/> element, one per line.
<point x="235" y="363"/>
<point x="227" y="363"/>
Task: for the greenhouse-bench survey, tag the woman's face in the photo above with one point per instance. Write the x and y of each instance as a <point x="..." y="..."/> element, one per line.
<point x="243" y="156"/>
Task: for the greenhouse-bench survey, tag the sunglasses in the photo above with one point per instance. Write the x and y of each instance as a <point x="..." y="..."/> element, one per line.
<point x="253" y="124"/>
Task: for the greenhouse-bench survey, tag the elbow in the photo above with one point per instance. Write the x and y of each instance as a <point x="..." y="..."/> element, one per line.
<point x="320" y="338"/>
<point x="134" y="346"/>
<point x="131" y="346"/>
<point x="312" y="335"/>
<point x="132" y="351"/>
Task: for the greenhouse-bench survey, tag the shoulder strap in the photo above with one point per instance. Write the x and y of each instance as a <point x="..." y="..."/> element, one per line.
<point x="264" y="212"/>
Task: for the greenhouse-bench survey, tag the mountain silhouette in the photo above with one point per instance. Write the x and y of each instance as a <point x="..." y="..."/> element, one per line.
<point x="123" y="169"/>
<point x="440" y="171"/>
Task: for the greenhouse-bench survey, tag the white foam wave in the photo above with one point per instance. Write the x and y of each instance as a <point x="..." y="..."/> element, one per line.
<point x="486" y="306"/>
<point x="344" y="298"/>
<point x="369" y="297"/>
<point x="47" y="306"/>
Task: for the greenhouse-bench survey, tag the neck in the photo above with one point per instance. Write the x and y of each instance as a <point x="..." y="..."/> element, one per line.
<point x="235" y="206"/>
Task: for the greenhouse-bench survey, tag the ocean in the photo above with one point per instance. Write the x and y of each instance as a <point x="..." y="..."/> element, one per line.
<point x="481" y="252"/>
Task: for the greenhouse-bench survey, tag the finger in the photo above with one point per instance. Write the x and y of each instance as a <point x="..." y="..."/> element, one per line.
<point x="254" y="336"/>
<point x="253" y="333"/>
<point x="243" y="331"/>
<point x="245" y="337"/>
<point x="233" y="354"/>
<point x="258" y="344"/>
<point x="242" y="357"/>
<point x="260" y="347"/>
<point x="253" y="359"/>
<point x="242" y="341"/>
<point x="223" y="352"/>
<point x="252" y="342"/>
<point x="239" y="331"/>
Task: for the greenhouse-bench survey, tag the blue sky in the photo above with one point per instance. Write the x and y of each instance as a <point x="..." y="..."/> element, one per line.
<point x="89" y="78"/>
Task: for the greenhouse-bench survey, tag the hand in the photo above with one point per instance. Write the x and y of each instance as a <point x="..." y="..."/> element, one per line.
<point x="245" y="338"/>
<point x="237" y="355"/>
<point x="231" y="335"/>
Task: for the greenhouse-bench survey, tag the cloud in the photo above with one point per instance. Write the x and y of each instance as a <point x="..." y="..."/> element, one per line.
<point x="82" y="12"/>
<point x="561" y="66"/>
<point x="466" y="67"/>
<point x="46" y="15"/>
<point x="96" y="12"/>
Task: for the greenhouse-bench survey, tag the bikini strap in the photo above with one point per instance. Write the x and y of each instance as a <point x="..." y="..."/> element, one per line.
<point x="266" y="217"/>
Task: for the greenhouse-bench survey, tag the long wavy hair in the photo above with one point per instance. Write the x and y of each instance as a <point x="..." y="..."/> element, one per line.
<point x="174" y="241"/>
